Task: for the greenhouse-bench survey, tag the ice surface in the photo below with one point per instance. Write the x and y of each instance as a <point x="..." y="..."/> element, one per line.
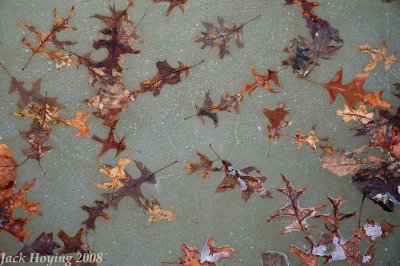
<point x="156" y="126"/>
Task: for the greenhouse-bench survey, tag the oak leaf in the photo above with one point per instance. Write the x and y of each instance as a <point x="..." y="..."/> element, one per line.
<point x="42" y="245"/>
<point x="73" y="244"/>
<point x="220" y="37"/>
<point x="166" y="75"/>
<point x="242" y="178"/>
<point x="209" y="255"/>
<point x="360" y="114"/>
<point x="36" y="137"/>
<point x="335" y="217"/>
<point x="172" y="4"/>
<point x="293" y="209"/>
<point x="94" y="213"/>
<point x="51" y="37"/>
<point x="384" y="132"/>
<point x="29" y="96"/>
<point x="262" y="81"/>
<point x="133" y="190"/>
<point x="307" y="258"/>
<point x="119" y="38"/>
<point x="80" y="122"/>
<point x="110" y="143"/>
<point x="8" y="166"/>
<point x="340" y="162"/>
<point x="378" y="55"/>
<point x="277" y="120"/>
<point x="10" y="199"/>
<point x="309" y="139"/>
<point x="157" y="213"/>
<point x="306" y="7"/>
<point x="117" y="174"/>
<point x="205" y="166"/>
<point x="354" y="92"/>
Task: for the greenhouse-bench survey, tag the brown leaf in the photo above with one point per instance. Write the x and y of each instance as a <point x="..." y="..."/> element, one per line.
<point x="110" y="143"/>
<point x="157" y="213"/>
<point x="73" y="244"/>
<point x="221" y="36"/>
<point x="354" y="92"/>
<point x="262" y="81"/>
<point x="172" y="4"/>
<point x="51" y="37"/>
<point x="8" y="166"/>
<point x="117" y="174"/>
<point x="360" y="114"/>
<point x="293" y="209"/>
<point x="36" y="137"/>
<point x="277" y="120"/>
<point x="30" y="96"/>
<point x="80" y="122"/>
<point x="205" y="166"/>
<point x="335" y="217"/>
<point x="94" y="213"/>
<point x="166" y="75"/>
<point x="120" y="30"/>
<point x="42" y="245"/>
<point x="377" y="55"/>
<point x="133" y="190"/>
<point x="384" y="132"/>
<point x="353" y="254"/>
<point x="274" y="258"/>
<point x="209" y="255"/>
<point x="309" y="139"/>
<point x="10" y="199"/>
<point x="307" y="258"/>
<point x="306" y="7"/>
<point x="340" y="163"/>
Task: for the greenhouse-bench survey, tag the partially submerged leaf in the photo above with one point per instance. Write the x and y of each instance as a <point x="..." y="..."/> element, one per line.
<point x="110" y="143"/>
<point x="73" y="244"/>
<point x="94" y="213"/>
<point x="340" y="162"/>
<point x="42" y="245"/>
<point x="133" y="190"/>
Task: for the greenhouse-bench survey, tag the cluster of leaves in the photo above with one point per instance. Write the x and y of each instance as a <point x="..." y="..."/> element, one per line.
<point x="375" y="167"/>
<point x="330" y="245"/>
<point x="44" y="111"/>
<point x="242" y="178"/>
<point x="303" y="54"/>
<point x="11" y="198"/>
<point x="44" y="245"/>
<point x="127" y="186"/>
<point x="232" y="102"/>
